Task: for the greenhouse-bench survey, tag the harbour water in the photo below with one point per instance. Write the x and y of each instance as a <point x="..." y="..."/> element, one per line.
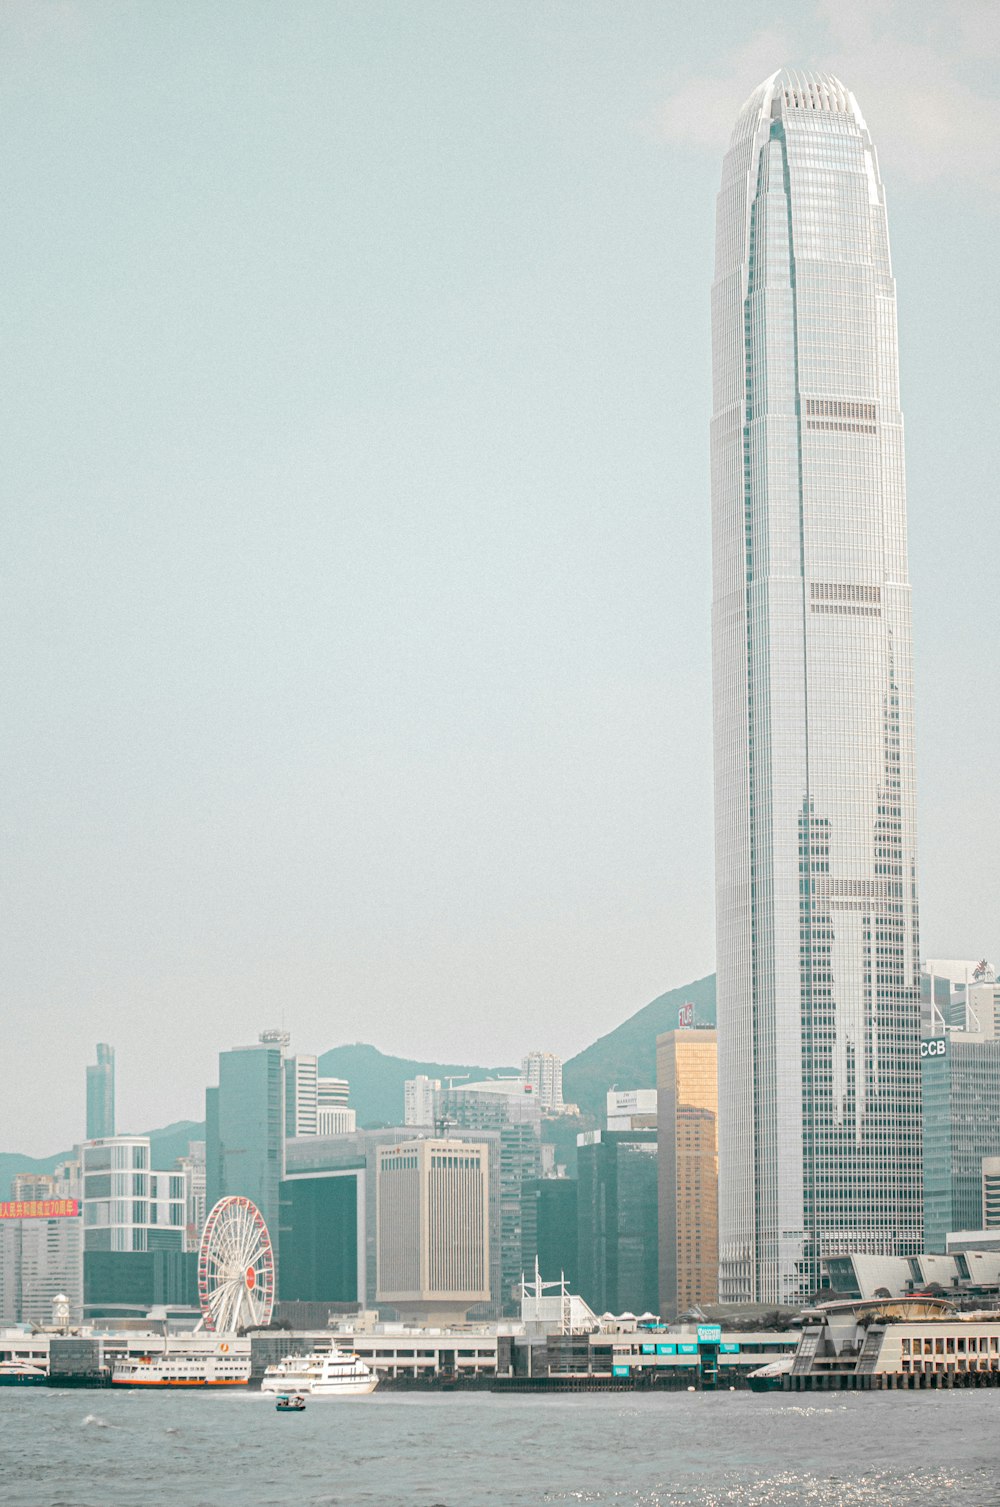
<point x="122" y="1449"/>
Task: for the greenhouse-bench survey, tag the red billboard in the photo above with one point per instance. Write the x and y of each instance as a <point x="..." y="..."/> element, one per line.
<point x="40" y="1208"/>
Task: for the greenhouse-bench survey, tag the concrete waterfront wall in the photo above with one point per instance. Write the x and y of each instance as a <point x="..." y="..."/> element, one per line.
<point x="933" y="1381"/>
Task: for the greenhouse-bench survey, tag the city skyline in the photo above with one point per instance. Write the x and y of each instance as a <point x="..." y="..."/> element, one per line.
<point x="818" y="955"/>
<point x="356" y="574"/>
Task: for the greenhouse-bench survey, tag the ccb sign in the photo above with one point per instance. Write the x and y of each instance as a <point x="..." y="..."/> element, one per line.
<point x="937" y="1046"/>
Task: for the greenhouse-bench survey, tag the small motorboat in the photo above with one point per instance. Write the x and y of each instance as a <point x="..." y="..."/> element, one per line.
<point x="290" y="1403"/>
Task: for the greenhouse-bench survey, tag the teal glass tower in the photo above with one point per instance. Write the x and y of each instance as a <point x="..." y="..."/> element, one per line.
<point x="101" y="1094"/>
<point x="245" y="1129"/>
<point x="816" y="885"/>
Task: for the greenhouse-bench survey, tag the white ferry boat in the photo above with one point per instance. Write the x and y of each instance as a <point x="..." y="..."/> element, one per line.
<point x="22" y="1373"/>
<point x="177" y="1370"/>
<point x="769" y="1378"/>
<point x="336" y="1373"/>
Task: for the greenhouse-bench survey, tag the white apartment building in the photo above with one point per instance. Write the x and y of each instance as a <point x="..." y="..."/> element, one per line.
<point x="315" y="1105"/>
<point x="333" y="1115"/>
<point x="68" y="1179"/>
<point x="192" y="1167"/>
<point x="544" y="1070"/>
<point x="420" y="1100"/>
<point x="32" y="1186"/>
<point x="301" y="1094"/>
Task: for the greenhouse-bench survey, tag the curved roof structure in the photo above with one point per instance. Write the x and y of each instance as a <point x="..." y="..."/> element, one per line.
<point x="793" y="89"/>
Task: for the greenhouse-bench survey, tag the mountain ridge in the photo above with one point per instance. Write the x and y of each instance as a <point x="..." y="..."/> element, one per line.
<point x="165" y="1146"/>
<point x="625" y="1057"/>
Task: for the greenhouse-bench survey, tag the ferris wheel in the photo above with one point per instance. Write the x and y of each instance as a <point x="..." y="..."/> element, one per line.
<point x="235" y="1268"/>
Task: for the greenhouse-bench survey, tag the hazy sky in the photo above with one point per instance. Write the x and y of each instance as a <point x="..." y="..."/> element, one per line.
<point x="355" y="556"/>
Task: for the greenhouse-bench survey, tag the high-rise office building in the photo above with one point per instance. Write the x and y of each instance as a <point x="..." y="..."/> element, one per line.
<point x="548" y="1229"/>
<point x="960" y="995"/>
<point x="315" y="1105"/>
<point x="433" y="1229"/>
<point x="126" y="1205"/>
<point x="510" y="1107"/>
<point x="245" y="1127"/>
<point x="101" y="1094"/>
<point x="135" y="1247"/>
<point x="323" y="1237"/>
<point x="41" y="1257"/>
<point x="192" y="1167"/>
<point x="688" y="1155"/>
<point x="32" y="1186"/>
<point x="990" y="1192"/>
<point x="631" y="1109"/>
<point x="333" y="1115"/>
<point x="301" y="1095"/>
<point x="308" y="1217"/>
<point x="816" y="889"/>
<point x="961" y="1122"/>
<point x="68" y="1179"/>
<point x="616" y="1220"/>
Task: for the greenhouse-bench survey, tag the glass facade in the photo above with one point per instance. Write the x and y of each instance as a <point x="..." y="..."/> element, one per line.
<point x="517" y="1120"/>
<point x="961" y="1109"/>
<point x="101" y="1094"/>
<point x="548" y="1229"/>
<point x="688" y="1154"/>
<point x="617" y="1220"/>
<point x="245" y="1130"/>
<point x="120" y="1284"/>
<point x="126" y="1206"/>
<point x="319" y="1239"/>
<point x="816" y="890"/>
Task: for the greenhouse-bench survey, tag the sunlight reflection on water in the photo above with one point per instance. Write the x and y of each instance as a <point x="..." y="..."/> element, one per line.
<point x="111" y="1449"/>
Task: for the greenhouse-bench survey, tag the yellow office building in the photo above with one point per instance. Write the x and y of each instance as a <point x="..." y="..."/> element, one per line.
<point x="687" y="1126"/>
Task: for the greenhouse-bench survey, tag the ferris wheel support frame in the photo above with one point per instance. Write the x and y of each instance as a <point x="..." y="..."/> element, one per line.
<point x="235" y="1267"/>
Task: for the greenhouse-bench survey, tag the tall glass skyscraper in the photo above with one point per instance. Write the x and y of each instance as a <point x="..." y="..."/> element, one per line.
<point x="816" y="888"/>
<point x="245" y="1128"/>
<point x="101" y="1094"/>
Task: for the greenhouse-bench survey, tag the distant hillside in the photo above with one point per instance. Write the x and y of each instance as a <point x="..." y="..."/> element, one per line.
<point x="377" y="1080"/>
<point x="626" y="1057"/>
<point x="165" y="1146"/>
<point x="11" y="1163"/>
